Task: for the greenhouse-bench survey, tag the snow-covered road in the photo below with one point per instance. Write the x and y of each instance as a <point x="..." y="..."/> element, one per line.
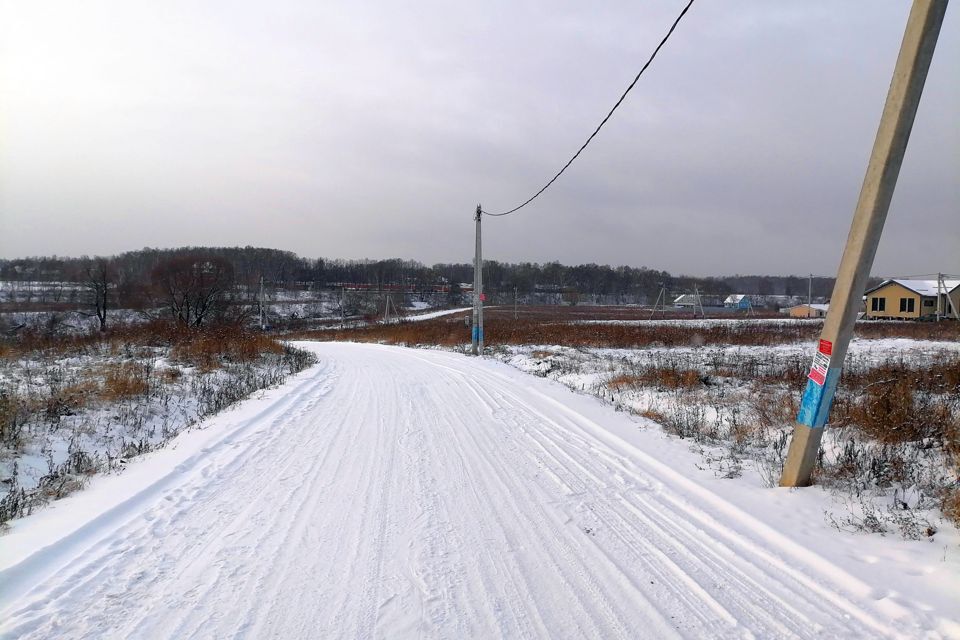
<point x="397" y="493"/>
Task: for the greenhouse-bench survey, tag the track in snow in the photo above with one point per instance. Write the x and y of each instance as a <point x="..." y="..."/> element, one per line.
<point x="399" y="493"/>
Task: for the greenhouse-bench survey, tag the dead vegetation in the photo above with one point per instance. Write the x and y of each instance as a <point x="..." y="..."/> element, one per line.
<point x="73" y="405"/>
<point x="126" y="380"/>
<point x="502" y="329"/>
<point x="891" y="448"/>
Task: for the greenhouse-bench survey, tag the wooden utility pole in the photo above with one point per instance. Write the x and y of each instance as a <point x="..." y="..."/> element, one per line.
<point x="477" y="333"/>
<point x="916" y="51"/>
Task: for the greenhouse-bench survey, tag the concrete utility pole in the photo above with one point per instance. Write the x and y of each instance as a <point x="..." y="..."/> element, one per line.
<point x="949" y="307"/>
<point x="696" y="302"/>
<point x="514" y="303"/>
<point x="477" y="333"/>
<point x="809" y="296"/>
<point x="661" y="294"/>
<point x="916" y="51"/>
<point x="939" y="299"/>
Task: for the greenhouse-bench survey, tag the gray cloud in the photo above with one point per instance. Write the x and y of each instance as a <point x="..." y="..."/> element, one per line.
<point x="373" y="129"/>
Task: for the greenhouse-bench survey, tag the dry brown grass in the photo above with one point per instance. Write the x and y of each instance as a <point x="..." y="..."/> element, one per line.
<point x="171" y="375"/>
<point x="207" y="348"/>
<point x="623" y="381"/>
<point x="41" y="343"/>
<point x="125" y="380"/>
<point x="501" y="329"/>
<point x="899" y="402"/>
<point x="66" y="400"/>
<point x="210" y="349"/>
<point x="656" y="416"/>
<point x="950" y="505"/>
<point x="951" y="441"/>
<point x="773" y="407"/>
<point x="11" y="416"/>
<point x="659" y="377"/>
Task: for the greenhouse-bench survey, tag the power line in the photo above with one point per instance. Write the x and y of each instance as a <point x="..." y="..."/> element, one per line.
<point x="604" y="121"/>
<point x="925" y="275"/>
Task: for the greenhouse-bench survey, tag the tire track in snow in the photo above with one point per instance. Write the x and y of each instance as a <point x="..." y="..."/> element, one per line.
<point x="758" y="606"/>
<point x="416" y="494"/>
<point x="566" y="553"/>
<point x="92" y="566"/>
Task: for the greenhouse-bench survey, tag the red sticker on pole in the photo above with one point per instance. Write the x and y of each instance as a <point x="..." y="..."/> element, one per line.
<point x="483" y="297"/>
<point x="826" y="347"/>
<point x="817" y="376"/>
<point x="818" y="372"/>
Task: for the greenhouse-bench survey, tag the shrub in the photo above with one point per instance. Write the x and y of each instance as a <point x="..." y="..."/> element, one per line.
<point x="127" y="380"/>
<point x="950" y="505"/>
<point x="210" y="349"/>
<point x="12" y="418"/>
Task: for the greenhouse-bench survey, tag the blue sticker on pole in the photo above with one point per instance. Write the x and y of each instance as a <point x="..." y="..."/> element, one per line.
<point x="821" y="385"/>
<point x="475" y="334"/>
<point x="810" y="405"/>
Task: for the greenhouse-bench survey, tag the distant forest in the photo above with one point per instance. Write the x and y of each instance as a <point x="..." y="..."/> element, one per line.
<point x="128" y="275"/>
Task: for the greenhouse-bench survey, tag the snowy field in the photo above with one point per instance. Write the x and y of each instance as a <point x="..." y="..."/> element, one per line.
<point x="398" y="493"/>
<point x="705" y="322"/>
<point x="66" y="416"/>
<point x="735" y="406"/>
<point x="420" y="317"/>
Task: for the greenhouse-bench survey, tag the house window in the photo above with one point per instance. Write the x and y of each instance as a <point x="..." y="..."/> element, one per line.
<point x="906" y="305"/>
<point x="878" y="304"/>
<point x="928" y="303"/>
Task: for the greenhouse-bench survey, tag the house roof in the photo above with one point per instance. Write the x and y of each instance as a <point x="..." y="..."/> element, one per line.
<point x="818" y="307"/>
<point x="735" y="298"/>
<point x="923" y="287"/>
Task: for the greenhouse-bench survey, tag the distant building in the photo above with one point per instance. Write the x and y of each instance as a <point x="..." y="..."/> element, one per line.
<point x="738" y="301"/>
<point x="907" y="299"/>
<point x="763" y="301"/>
<point x="777" y="301"/>
<point x="690" y="300"/>
<point x="808" y="311"/>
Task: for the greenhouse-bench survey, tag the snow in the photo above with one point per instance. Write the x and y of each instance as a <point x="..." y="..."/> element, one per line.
<point x="436" y="314"/>
<point x="704" y="323"/>
<point x="388" y="492"/>
<point x="923" y="287"/>
<point x="103" y="432"/>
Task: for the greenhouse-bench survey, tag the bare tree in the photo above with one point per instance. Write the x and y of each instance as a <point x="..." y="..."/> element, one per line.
<point x="193" y="287"/>
<point x="98" y="277"/>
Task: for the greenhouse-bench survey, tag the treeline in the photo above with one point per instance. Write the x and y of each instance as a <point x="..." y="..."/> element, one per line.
<point x="181" y="279"/>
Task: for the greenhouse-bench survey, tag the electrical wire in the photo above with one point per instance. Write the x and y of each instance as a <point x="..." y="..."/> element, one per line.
<point x="926" y="275"/>
<point x="602" y="122"/>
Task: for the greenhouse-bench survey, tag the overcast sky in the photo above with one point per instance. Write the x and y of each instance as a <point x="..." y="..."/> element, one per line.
<point x="372" y="129"/>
